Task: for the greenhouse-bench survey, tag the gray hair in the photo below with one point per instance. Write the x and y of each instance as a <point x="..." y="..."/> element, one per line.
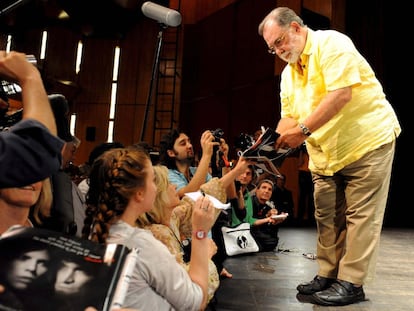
<point x="283" y="16"/>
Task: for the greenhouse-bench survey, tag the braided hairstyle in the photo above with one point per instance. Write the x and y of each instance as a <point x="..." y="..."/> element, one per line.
<point x="114" y="178"/>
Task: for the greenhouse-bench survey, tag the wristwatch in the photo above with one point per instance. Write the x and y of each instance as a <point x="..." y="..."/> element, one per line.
<point x="304" y="129"/>
<point x="200" y="234"/>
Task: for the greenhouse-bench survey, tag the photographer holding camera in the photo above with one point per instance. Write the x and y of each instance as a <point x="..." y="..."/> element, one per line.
<point x="29" y="149"/>
<point x="177" y="153"/>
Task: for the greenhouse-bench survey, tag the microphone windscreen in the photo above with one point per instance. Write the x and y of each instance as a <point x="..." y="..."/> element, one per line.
<point x="161" y="14"/>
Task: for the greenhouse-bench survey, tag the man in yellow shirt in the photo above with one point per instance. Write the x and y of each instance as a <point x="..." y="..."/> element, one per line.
<point x="331" y="99"/>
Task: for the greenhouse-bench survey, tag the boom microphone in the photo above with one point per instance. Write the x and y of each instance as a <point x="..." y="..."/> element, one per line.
<point x="161" y="14"/>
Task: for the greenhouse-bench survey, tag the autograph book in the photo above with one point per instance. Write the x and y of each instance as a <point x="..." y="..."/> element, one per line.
<point x="47" y="270"/>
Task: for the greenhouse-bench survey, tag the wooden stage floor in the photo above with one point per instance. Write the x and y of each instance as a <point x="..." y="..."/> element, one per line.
<point x="267" y="281"/>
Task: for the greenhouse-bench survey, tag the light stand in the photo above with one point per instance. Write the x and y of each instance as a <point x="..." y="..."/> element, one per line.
<point x="165" y="17"/>
<point x="153" y="76"/>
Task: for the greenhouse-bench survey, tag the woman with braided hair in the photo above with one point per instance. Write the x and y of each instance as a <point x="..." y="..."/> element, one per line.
<point x="122" y="187"/>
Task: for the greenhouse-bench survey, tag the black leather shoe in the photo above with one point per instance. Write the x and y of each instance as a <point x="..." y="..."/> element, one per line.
<point x="316" y="285"/>
<point x="339" y="294"/>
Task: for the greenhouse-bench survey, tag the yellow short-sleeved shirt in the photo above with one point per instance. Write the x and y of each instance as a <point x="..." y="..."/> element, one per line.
<point x="367" y="122"/>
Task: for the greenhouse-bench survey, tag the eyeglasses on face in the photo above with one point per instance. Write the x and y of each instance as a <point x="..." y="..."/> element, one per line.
<point x="278" y="43"/>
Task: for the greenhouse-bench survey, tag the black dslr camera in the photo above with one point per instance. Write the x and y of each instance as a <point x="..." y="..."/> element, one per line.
<point x="218" y="134"/>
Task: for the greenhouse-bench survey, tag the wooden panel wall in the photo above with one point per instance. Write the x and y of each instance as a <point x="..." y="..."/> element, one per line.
<point x="89" y="92"/>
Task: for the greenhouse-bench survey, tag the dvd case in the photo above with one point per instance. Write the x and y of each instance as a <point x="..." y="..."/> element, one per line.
<point x="47" y="270"/>
<point x="264" y="154"/>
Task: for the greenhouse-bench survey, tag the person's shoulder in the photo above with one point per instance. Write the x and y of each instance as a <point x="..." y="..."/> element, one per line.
<point x="159" y="230"/>
<point x="326" y="33"/>
<point x="151" y="246"/>
<point x="173" y="172"/>
<point x="132" y="237"/>
<point x="25" y="124"/>
<point x="331" y="36"/>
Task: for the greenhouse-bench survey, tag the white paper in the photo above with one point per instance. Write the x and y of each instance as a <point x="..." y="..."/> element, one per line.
<point x="216" y="203"/>
<point x="280" y="216"/>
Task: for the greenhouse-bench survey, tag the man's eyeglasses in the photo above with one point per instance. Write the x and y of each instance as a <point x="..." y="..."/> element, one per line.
<point x="278" y="42"/>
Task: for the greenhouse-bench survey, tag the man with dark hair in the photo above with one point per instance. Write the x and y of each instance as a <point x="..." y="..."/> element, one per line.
<point x="265" y="233"/>
<point x="177" y="153"/>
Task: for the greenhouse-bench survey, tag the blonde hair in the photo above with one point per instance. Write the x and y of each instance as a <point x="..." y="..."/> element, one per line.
<point x="42" y="208"/>
<point x="157" y="214"/>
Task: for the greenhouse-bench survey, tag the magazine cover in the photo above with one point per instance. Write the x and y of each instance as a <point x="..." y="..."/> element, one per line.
<point x="46" y="270"/>
<point x="264" y="153"/>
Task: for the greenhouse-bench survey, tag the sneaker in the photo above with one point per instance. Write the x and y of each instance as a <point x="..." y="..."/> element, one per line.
<point x="340" y="293"/>
<point x="318" y="284"/>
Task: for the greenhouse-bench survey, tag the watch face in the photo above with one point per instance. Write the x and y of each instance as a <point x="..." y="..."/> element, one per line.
<point x="304" y="129"/>
<point x="200" y="235"/>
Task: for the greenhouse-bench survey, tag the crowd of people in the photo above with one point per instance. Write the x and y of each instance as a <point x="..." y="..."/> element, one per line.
<point x="129" y="198"/>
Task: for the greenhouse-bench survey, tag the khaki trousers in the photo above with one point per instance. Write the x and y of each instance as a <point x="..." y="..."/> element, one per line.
<point x="349" y="212"/>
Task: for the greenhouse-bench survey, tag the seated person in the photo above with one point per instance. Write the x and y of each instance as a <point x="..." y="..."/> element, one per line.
<point x="166" y="227"/>
<point x="265" y="233"/>
<point x="170" y="219"/>
<point x="178" y="155"/>
<point x="122" y="188"/>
